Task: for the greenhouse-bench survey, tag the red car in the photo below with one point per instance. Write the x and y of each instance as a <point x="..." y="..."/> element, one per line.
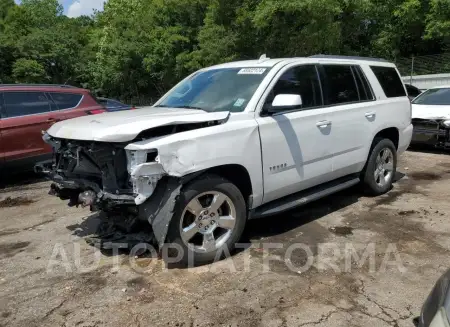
<point x="27" y="110"/>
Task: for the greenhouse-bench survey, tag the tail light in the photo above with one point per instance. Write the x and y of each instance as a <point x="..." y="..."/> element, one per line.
<point x="133" y="108"/>
<point x="95" y="111"/>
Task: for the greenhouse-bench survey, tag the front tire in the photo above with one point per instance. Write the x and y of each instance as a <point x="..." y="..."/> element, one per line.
<point x="209" y="219"/>
<point x="381" y="167"/>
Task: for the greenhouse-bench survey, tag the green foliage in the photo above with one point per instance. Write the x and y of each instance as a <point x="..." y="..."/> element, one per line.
<point x="438" y="21"/>
<point x="140" y="48"/>
<point x="28" y="71"/>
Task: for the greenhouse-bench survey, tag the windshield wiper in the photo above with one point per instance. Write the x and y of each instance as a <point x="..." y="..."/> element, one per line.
<point x="190" y="107"/>
<point x="180" y="107"/>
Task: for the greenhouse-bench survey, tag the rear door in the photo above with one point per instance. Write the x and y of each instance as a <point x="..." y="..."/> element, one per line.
<point x="25" y="115"/>
<point x="2" y="155"/>
<point x="354" y="109"/>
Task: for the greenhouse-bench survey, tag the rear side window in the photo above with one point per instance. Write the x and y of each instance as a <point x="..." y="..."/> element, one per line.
<point x="365" y="92"/>
<point x="66" y="100"/>
<point x="341" y="84"/>
<point x="390" y="81"/>
<point x="18" y="104"/>
<point x="1" y="106"/>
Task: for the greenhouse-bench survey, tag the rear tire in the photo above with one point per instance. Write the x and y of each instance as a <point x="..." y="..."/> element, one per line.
<point x="381" y="167"/>
<point x="205" y="230"/>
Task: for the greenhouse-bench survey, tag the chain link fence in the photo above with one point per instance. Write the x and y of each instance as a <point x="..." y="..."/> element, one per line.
<point x="424" y="65"/>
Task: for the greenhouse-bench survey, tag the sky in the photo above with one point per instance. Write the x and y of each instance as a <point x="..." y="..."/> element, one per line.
<point x="75" y="8"/>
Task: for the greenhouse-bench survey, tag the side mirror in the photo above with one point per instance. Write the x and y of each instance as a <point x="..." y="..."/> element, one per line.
<point x="286" y="102"/>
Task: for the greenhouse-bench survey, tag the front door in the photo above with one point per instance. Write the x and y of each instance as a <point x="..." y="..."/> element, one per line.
<point x="296" y="144"/>
<point x="25" y="116"/>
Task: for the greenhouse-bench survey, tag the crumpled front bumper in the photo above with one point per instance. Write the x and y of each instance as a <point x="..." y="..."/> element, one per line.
<point x="431" y="132"/>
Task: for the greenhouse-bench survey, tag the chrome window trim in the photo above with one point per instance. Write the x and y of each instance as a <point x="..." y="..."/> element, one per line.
<point x="43" y="113"/>
<point x="78" y="104"/>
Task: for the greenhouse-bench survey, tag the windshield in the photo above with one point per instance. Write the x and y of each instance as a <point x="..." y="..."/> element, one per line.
<point x="434" y="97"/>
<point x="226" y="89"/>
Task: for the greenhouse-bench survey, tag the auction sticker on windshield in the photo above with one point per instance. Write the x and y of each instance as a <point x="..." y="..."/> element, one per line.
<point x="252" y="71"/>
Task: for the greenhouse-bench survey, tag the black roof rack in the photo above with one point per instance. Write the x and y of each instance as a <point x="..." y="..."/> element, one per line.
<point x="348" y="57"/>
<point x="39" y="85"/>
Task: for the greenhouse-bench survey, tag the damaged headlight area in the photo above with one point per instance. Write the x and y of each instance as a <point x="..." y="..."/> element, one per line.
<point x="145" y="172"/>
<point x="101" y="175"/>
<point x="434" y="132"/>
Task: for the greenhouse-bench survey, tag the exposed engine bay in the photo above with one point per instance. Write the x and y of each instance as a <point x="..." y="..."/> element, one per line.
<point x="126" y="179"/>
<point x="105" y="177"/>
<point x="435" y="132"/>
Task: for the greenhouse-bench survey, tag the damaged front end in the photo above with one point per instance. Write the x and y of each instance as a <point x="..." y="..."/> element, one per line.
<point x="108" y="178"/>
<point x="434" y="132"/>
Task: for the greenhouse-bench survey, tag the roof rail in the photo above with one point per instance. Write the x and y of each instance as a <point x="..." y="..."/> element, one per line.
<point x="322" y="56"/>
<point x="39" y="85"/>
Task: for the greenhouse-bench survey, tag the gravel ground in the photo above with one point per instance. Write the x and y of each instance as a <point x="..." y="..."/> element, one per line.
<point x="372" y="261"/>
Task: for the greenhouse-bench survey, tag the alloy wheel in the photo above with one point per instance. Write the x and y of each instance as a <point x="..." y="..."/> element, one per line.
<point x="384" y="167"/>
<point x="208" y="221"/>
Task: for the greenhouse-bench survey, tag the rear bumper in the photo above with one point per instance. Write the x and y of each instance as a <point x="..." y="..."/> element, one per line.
<point x="405" y="138"/>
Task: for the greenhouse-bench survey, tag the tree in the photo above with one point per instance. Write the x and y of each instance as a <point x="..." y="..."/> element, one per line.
<point x="438" y="22"/>
<point x="140" y="48"/>
<point x="28" y="71"/>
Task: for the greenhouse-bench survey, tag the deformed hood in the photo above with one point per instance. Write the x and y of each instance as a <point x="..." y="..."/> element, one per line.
<point x="126" y="125"/>
<point x="430" y="111"/>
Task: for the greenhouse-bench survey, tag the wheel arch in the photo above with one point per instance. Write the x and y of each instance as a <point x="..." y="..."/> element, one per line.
<point x="391" y="133"/>
<point x="235" y="173"/>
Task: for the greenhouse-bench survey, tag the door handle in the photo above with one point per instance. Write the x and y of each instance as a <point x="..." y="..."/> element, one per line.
<point x="371" y="114"/>
<point x="323" y="124"/>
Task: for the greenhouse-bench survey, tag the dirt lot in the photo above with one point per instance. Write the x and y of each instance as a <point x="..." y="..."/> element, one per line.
<point x="49" y="275"/>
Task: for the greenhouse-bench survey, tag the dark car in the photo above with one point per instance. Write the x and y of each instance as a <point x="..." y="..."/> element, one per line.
<point x="436" y="310"/>
<point x="27" y="110"/>
<point x="413" y="91"/>
<point x="114" y="105"/>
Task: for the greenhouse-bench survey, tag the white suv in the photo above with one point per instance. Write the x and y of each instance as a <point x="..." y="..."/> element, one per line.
<point x="234" y="142"/>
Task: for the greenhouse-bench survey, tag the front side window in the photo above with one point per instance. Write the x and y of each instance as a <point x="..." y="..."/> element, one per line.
<point x="18" y="104"/>
<point x="437" y="97"/>
<point x="341" y="84"/>
<point x="301" y="80"/>
<point x="66" y="100"/>
<point x="390" y="81"/>
<point x="226" y="89"/>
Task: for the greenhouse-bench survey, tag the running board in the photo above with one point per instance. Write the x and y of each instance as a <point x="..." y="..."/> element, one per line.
<point x="301" y="198"/>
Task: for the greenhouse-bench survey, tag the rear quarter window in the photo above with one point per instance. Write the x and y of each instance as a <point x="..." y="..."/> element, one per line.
<point x="66" y="100"/>
<point x="390" y="81"/>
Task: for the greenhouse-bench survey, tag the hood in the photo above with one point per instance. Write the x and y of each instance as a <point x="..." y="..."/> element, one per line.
<point x="430" y="112"/>
<point x="125" y="126"/>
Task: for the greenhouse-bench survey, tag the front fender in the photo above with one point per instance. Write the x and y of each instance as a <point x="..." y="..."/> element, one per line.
<point x="235" y="143"/>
